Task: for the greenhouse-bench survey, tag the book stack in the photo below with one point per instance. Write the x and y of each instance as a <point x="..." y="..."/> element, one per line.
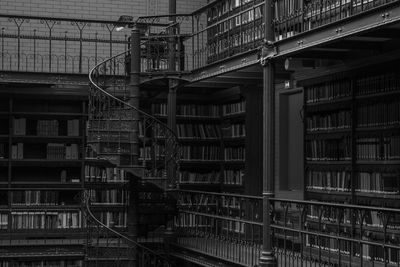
<point x="198" y="178"/>
<point x="201" y="152"/>
<point x="45" y="219"/>
<point x="35" y="198"/>
<point x="108" y="197"/>
<point x="234" y="130"/>
<point x="19" y="126"/>
<point x="235" y="153"/>
<point x="233" y="177"/>
<point x="198" y="131"/>
<point x="47" y="128"/>
<point x="3" y="221"/>
<point x="108" y="175"/>
<point x="73" y="127"/>
<point x="234" y="108"/>
<point x="17" y="151"/>
<point x="328" y="91"/>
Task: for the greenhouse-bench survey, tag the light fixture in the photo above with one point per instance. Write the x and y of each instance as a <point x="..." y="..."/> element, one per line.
<point x="123" y="22"/>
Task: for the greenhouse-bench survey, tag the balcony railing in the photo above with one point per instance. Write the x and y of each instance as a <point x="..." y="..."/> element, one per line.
<point x="294" y="17"/>
<point x="304" y="233"/>
<point x="226" y="226"/>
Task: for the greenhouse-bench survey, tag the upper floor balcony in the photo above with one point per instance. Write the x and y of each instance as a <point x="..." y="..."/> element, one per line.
<point x="185" y="43"/>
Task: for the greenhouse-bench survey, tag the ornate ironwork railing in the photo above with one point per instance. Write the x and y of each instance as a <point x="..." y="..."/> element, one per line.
<point x="311" y="233"/>
<point x="294" y="17"/>
<point x="224" y="29"/>
<point x="124" y="134"/>
<point x="106" y="246"/>
<point x="226" y="226"/>
<point x="74" y="46"/>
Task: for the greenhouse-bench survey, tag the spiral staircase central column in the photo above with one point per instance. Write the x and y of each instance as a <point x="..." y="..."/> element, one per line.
<point x="134" y="94"/>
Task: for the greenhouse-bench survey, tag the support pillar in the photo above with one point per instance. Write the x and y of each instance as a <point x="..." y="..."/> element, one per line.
<point x="267" y="258"/>
<point x="134" y="95"/>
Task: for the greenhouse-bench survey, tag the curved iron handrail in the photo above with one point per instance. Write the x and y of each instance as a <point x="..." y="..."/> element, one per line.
<point x="175" y="153"/>
<point x="98" y="222"/>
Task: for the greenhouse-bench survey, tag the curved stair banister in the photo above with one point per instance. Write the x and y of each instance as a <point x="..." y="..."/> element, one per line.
<point x="141" y="145"/>
<point x="115" y="127"/>
<point x="108" y="247"/>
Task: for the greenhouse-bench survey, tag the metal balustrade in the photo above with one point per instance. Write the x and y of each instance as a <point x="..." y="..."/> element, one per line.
<point x="226" y="226"/>
<point x="295" y="17"/>
<point x="311" y="233"/>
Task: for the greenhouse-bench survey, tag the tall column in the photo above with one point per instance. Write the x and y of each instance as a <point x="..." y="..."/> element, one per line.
<point x="134" y="95"/>
<point x="267" y="256"/>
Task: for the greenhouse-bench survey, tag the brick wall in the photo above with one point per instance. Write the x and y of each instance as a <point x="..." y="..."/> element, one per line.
<point x="65" y="53"/>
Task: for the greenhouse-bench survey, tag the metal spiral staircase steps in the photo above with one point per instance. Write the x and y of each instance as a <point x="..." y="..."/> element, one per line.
<point x="145" y="148"/>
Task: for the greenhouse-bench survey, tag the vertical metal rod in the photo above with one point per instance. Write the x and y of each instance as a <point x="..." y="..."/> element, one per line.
<point x="80" y="50"/>
<point x="134" y="94"/>
<point x="267" y="258"/>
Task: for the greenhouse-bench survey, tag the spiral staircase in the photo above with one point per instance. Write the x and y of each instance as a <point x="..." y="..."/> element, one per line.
<point x="148" y="151"/>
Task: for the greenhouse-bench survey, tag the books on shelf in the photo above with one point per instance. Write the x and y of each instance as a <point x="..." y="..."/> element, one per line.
<point x="201" y="153"/>
<point x="234" y="108"/>
<point x="108" y="196"/>
<point x="329" y="180"/>
<point x="375" y="148"/>
<point x="101" y="174"/>
<point x="149" y="152"/>
<point x="47" y="127"/>
<point x="378" y="182"/>
<point x="45" y="219"/>
<point x="328" y="91"/>
<point x="328" y="149"/>
<point x="234" y="130"/>
<point x="56" y="151"/>
<point x="3" y="221"/>
<point x="233" y="177"/>
<point x="73" y="127"/>
<point x="3" y="150"/>
<point x="374" y="84"/>
<point x="34" y="198"/>
<point x="235" y="153"/>
<point x="212" y="177"/>
<point x="17" y="151"/>
<point x="198" y="131"/>
<point x="378" y="114"/>
<point x="19" y="126"/>
<point x="113" y="218"/>
<point x="196" y="110"/>
<point x="331" y="121"/>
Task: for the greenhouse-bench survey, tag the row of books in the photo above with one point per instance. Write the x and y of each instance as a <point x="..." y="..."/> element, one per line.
<point x="233" y="177"/>
<point x="336" y="120"/>
<point x="234" y="130"/>
<point x="329" y="180"/>
<point x="194" y="110"/>
<point x="109" y="196"/>
<point x="328" y="91"/>
<point x="112" y="218"/>
<point x="378" y="114"/>
<point x="199" y="178"/>
<point x="3" y="150"/>
<point x="47" y="128"/>
<point x="62" y="151"/>
<point x="69" y="177"/>
<point x="377" y="182"/>
<point x="235" y="153"/>
<point x="106" y="175"/>
<point x="17" y="151"/>
<point x="35" y="197"/>
<point x="3" y="221"/>
<point x="378" y="149"/>
<point x="45" y="220"/>
<point x="328" y="149"/>
<point x="146" y="153"/>
<point x="201" y="152"/>
<point x="233" y="108"/>
<point x="386" y="82"/>
<point x="198" y="131"/>
<point x="198" y="110"/>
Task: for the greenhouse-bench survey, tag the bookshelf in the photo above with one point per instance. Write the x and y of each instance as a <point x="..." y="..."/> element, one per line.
<point x="351" y="128"/>
<point x="41" y="170"/>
